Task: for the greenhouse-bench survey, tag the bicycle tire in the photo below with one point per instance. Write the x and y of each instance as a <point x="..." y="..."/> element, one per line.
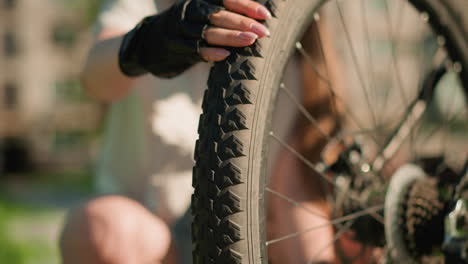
<point x="229" y="178"/>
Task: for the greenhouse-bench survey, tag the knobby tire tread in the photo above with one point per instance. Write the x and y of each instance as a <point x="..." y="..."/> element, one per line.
<point x="219" y="228"/>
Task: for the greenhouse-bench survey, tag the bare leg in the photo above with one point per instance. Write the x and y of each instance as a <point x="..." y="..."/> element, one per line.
<point x="114" y="230"/>
<point x="295" y="180"/>
<point x="284" y="218"/>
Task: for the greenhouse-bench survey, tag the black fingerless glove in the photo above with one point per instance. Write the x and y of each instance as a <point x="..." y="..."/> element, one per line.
<point x="167" y="44"/>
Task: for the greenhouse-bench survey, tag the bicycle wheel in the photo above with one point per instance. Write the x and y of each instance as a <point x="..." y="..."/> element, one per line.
<point x="391" y="118"/>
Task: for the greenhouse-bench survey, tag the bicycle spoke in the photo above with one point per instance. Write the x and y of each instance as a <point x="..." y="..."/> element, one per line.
<point x="368" y="211"/>
<point x="450" y="123"/>
<point x="437" y="57"/>
<point x="355" y="62"/>
<point x="394" y="55"/>
<point x="405" y="128"/>
<point x="344" y="133"/>
<point x="400" y="134"/>
<point x="308" y="163"/>
<point x="304" y="53"/>
<point x="304" y="111"/>
<point x="324" y="60"/>
<point x="329" y="85"/>
<point x="370" y="60"/>
<point x="447" y="114"/>
<point x="398" y="32"/>
<point x="447" y="122"/>
<point x="331" y="89"/>
<point x="337" y="236"/>
<point x="319" y="171"/>
<point x="314" y="121"/>
<point x="400" y="19"/>
<point x="296" y="204"/>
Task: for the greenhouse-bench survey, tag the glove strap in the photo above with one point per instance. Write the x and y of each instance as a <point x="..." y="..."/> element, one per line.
<point x="129" y="61"/>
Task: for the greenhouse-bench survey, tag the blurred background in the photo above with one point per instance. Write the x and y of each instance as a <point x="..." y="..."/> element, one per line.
<point x="48" y="127"/>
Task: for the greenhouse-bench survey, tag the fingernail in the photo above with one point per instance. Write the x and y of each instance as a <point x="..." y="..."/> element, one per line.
<point x="263" y="12"/>
<point x="247" y="36"/>
<point x="222" y="53"/>
<point x="260" y="30"/>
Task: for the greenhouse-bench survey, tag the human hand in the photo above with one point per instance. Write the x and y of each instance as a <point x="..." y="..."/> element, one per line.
<point x="236" y="27"/>
<point x="169" y="43"/>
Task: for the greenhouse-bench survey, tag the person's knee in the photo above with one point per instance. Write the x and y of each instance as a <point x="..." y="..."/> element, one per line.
<point x="113" y="229"/>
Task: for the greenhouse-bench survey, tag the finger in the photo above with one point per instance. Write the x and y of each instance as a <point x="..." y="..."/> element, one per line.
<point x="248" y="8"/>
<point x="214" y="54"/>
<point x="230" y="20"/>
<point x="226" y="37"/>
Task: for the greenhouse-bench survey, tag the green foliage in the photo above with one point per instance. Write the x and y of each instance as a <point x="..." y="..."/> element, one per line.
<point x="10" y="252"/>
<point x="88" y="8"/>
<point x="92" y="8"/>
<point x="21" y="252"/>
<point x="70" y="91"/>
<point x="64" y="35"/>
<point x="26" y="227"/>
<point x="63" y="181"/>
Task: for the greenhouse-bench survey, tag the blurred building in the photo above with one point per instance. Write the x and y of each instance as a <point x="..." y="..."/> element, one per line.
<point x="42" y="47"/>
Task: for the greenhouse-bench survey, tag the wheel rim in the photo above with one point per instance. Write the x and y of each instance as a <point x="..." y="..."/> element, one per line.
<point x="374" y="126"/>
